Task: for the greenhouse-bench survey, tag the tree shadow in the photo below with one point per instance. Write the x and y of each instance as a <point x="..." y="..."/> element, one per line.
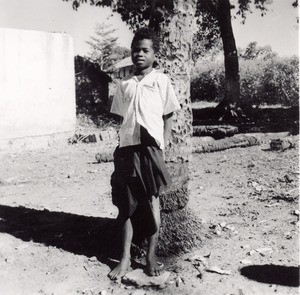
<point x="83" y="235"/>
<point x="272" y="274"/>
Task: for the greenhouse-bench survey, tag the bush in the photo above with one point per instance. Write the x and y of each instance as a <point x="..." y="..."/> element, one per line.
<point x="280" y="83"/>
<point x="207" y="83"/>
<point x="91" y="88"/>
<point x="263" y="81"/>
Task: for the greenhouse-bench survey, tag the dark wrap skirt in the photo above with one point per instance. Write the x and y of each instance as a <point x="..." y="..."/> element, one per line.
<point x="140" y="172"/>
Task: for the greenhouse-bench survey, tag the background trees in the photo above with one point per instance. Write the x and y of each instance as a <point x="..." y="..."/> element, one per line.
<point x="104" y="47"/>
<point x="253" y="51"/>
<point x="265" y="78"/>
<point x="213" y="25"/>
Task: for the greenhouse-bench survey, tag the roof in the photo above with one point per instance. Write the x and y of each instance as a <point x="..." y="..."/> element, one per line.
<point x="126" y="62"/>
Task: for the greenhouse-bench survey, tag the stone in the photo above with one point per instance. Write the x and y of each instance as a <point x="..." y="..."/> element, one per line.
<point x="246" y="261"/>
<point x="223" y="224"/>
<point x="104" y="156"/>
<point x="199" y="259"/>
<point x="245" y="246"/>
<point x="178" y="281"/>
<point x="281" y="144"/>
<point x="218" y="270"/>
<point x="138" y="292"/>
<point x="138" y="278"/>
<point x="264" y="251"/>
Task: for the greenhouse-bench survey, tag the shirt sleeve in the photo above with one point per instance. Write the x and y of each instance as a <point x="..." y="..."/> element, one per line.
<point x="117" y="106"/>
<point x="169" y="99"/>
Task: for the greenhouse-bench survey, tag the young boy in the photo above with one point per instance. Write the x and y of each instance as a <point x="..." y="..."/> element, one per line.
<point x="146" y="102"/>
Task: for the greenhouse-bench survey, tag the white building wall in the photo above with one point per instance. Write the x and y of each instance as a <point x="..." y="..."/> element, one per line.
<point x="37" y="84"/>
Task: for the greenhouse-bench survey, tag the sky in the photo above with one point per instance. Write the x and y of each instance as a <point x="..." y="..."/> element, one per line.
<point x="278" y="28"/>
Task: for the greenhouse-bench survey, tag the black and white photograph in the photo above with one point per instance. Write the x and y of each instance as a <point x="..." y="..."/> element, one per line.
<point x="149" y="147"/>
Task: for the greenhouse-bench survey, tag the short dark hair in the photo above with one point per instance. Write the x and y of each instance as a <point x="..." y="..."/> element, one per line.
<point x="146" y="33"/>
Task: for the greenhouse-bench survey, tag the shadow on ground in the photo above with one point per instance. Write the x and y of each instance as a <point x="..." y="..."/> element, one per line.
<point x="272" y="274"/>
<point x="83" y="235"/>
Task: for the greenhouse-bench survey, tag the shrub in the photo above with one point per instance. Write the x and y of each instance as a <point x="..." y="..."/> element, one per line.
<point x="280" y="82"/>
<point x="263" y="81"/>
<point x="207" y="83"/>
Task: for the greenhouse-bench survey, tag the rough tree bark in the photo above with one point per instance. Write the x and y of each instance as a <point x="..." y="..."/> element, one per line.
<point x="180" y="229"/>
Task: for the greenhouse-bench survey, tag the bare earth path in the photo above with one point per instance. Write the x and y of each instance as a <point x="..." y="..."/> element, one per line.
<point x="52" y="201"/>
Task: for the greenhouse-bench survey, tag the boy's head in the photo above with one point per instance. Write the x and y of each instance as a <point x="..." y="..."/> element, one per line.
<point x="144" y="45"/>
<point x="146" y="33"/>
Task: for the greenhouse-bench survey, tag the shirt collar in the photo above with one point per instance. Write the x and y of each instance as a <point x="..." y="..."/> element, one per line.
<point x="145" y="77"/>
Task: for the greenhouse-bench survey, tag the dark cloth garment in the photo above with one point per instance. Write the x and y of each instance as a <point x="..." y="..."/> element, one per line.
<point x="140" y="172"/>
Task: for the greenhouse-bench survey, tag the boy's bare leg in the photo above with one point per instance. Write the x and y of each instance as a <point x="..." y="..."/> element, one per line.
<point x="153" y="267"/>
<point x="120" y="270"/>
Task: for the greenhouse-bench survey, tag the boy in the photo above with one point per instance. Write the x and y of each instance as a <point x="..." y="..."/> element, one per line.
<point x="146" y="102"/>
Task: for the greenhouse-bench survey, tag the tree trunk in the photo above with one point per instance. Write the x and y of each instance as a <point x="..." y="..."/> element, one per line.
<point x="179" y="229"/>
<point x="232" y="78"/>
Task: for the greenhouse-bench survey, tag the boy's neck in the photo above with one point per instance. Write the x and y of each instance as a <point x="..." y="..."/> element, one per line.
<point x="142" y="72"/>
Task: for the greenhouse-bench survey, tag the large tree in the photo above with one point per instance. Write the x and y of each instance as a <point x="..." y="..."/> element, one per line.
<point x="174" y="20"/>
<point x="215" y="17"/>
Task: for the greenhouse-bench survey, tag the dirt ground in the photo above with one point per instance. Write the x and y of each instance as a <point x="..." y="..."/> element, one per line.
<point x="53" y="200"/>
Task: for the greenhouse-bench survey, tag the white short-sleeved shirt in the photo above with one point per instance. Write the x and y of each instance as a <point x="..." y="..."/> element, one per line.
<point x="143" y="103"/>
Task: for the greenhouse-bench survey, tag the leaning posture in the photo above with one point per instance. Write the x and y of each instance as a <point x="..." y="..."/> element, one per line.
<point x="146" y="101"/>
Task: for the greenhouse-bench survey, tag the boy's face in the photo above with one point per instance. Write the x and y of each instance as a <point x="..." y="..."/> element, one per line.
<point x="142" y="54"/>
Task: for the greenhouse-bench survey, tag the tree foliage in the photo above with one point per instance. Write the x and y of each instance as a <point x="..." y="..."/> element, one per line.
<point x="253" y="51"/>
<point x="264" y="79"/>
<point x="137" y="13"/>
<point x="213" y="18"/>
<point x="208" y="34"/>
<point x="105" y="50"/>
<point x="91" y="87"/>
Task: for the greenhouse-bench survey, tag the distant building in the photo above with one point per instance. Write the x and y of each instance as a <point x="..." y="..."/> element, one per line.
<point x="123" y="68"/>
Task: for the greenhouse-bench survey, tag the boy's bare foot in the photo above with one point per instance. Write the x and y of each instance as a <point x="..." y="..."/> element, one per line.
<point x="120" y="270"/>
<point x="154" y="268"/>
